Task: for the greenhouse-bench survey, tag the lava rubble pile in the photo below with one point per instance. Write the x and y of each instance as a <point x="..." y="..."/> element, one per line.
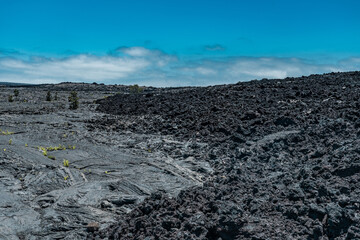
<point x="285" y="154"/>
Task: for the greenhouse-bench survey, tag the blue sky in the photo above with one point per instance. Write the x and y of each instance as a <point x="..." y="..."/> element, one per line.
<point x="173" y="43"/>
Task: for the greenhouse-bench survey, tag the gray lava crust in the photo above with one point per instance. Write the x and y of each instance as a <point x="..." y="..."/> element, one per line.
<point x="109" y="173"/>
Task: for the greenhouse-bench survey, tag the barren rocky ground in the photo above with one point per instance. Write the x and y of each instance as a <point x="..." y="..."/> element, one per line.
<point x="108" y="172"/>
<point x="285" y="155"/>
<point x="270" y="159"/>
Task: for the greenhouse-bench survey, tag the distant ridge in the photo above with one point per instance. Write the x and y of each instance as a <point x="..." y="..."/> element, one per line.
<point x="11" y="84"/>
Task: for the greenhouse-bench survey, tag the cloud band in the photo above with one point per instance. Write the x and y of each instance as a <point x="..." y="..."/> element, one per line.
<point x="129" y="65"/>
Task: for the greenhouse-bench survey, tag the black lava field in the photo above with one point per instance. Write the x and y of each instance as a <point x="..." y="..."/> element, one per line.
<point x="285" y="156"/>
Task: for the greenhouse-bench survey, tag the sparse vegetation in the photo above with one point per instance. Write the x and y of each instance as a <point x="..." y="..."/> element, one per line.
<point x="60" y="147"/>
<point x="57" y="148"/>
<point x="66" y="163"/>
<point x="6" y="132"/>
<point x="10" y="98"/>
<point x="74" y="100"/>
<point x="44" y="152"/>
<point x="48" y="96"/>
<point x="136" y="89"/>
<point x="10" y="141"/>
<point x="51" y="157"/>
<point x="16" y="93"/>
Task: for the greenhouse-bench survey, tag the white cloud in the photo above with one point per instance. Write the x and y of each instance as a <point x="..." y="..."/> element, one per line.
<point x="136" y="51"/>
<point x="77" y="68"/>
<point x="205" y="71"/>
<point x="350" y="61"/>
<point x="129" y="65"/>
<point x="235" y="69"/>
<point x="215" y="47"/>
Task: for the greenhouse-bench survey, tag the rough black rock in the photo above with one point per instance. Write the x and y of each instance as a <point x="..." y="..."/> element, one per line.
<point x="285" y="154"/>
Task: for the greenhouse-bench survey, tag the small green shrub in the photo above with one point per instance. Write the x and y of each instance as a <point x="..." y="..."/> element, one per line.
<point x="6" y="132"/>
<point x="51" y="157"/>
<point x="74" y="100"/>
<point x="66" y="163"/>
<point x="10" y="98"/>
<point x="16" y="93"/>
<point x="48" y="96"/>
<point x="72" y="147"/>
<point x="136" y="89"/>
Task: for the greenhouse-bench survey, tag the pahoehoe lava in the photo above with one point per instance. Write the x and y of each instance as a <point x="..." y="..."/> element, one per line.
<point x="284" y="154"/>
